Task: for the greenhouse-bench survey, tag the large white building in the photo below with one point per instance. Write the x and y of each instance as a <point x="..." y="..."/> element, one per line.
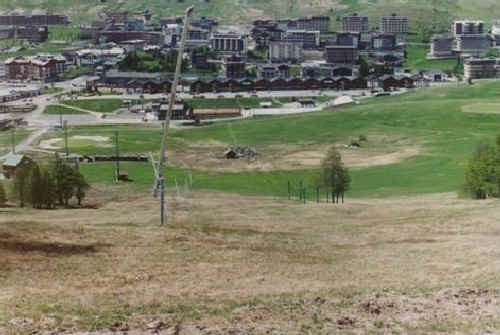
<point x="283" y="51"/>
<point x="468" y="27"/>
<point x="229" y="42"/>
<point x="394" y="24"/>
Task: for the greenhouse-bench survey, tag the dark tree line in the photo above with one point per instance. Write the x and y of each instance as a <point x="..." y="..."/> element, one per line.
<point x="48" y="186"/>
<point x="151" y="62"/>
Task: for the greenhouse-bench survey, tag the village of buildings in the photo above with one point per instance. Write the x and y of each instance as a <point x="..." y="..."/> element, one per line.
<point x="272" y="55"/>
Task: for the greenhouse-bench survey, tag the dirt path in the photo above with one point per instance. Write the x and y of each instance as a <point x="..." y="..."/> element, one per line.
<point x="96" y="114"/>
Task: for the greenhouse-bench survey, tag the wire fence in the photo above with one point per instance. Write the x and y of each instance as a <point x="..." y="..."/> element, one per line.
<point x="300" y="191"/>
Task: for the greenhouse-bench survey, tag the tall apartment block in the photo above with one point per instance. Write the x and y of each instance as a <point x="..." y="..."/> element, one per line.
<point x="229" y="42"/>
<point x="355" y="23"/>
<point x="467" y="27"/>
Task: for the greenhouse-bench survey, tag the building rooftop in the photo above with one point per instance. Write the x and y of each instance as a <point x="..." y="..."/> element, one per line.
<point x="13" y="160"/>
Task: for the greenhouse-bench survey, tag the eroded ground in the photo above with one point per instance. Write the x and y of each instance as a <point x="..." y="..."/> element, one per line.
<point x="234" y="264"/>
<point x="378" y="150"/>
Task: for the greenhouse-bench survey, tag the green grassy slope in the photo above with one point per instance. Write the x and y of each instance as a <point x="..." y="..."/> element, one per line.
<point x="446" y="123"/>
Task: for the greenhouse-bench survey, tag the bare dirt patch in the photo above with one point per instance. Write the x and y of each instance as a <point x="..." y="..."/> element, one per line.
<point x="56" y="143"/>
<point x="482" y="108"/>
<point x="378" y="150"/>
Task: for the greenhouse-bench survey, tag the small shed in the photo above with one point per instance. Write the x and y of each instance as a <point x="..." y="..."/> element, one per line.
<point x="12" y="162"/>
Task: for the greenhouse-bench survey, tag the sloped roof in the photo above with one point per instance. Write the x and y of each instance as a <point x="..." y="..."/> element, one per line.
<point x="13" y="160"/>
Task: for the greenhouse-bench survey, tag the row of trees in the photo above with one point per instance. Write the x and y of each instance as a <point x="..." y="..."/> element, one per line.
<point x="47" y="186"/>
<point x="151" y="61"/>
<point x="335" y="176"/>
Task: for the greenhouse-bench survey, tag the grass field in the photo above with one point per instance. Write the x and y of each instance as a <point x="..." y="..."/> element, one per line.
<point x="416" y="60"/>
<point x="76" y="72"/>
<point x="436" y="124"/>
<point x="58" y="109"/>
<point x="6" y="139"/>
<point x="96" y="105"/>
<point x="59" y="38"/>
<point x="233" y="103"/>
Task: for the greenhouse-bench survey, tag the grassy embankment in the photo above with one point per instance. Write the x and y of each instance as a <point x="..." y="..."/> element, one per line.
<point x="6" y="139"/>
<point x="438" y="120"/>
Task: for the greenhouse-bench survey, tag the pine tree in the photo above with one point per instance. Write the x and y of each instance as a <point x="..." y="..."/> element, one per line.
<point x="20" y="186"/>
<point x="36" y="187"/>
<point x="81" y="187"/>
<point x="49" y="189"/>
<point x="64" y="176"/>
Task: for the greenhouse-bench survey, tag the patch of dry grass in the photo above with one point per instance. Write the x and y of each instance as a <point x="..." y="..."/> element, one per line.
<point x="378" y="150"/>
<point x="249" y="264"/>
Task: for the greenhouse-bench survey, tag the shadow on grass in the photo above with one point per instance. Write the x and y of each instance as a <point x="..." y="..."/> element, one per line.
<point x="53" y="248"/>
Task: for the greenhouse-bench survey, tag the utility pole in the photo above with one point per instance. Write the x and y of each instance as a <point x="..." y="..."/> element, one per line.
<point x="117" y="158"/>
<point x="66" y="137"/>
<point x="160" y="180"/>
<point x="60" y="117"/>
<point x="13" y="139"/>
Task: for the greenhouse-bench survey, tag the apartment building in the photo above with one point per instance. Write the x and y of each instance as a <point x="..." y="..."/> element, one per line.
<point x="285" y="51"/>
<point x="469" y="45"/>
<point x="234" y="67"/>
<point x="355" y="23"/>
<point x="229" y="42"/>
<point x="309" y="39"/>
<point x="442" y="46"/>
<point x="313" y="23"/>
<point x="468" y="27"/>
<point x="41" y="67"/>
<point x="476" y="68"/>
<point x="37" y="34"/>
<point x="341" y="54"/>
<point x="394" y="24"/>
<point x="33" y="20"/>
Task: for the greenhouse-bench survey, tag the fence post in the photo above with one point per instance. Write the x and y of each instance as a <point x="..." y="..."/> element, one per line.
<point x="317" y="194"/>
<point x="304" y="194"/>
<point x="289" y="196"/>
<point x="301" y="186"/>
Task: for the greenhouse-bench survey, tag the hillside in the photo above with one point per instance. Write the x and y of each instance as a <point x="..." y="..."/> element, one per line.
<point x="440" y="12"/>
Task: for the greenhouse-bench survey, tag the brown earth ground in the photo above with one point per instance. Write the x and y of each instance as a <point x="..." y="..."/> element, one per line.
<point x="230" y="264"/>
<point x="378" y="150"/>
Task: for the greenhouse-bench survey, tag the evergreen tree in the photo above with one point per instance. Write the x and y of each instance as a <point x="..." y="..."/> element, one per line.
<point x="49" y="189"/>
<point x="36" y="195"/>
<point x="20" y="186"/>
<point x="81" y="187"/>
<point x="63" y="175"/>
